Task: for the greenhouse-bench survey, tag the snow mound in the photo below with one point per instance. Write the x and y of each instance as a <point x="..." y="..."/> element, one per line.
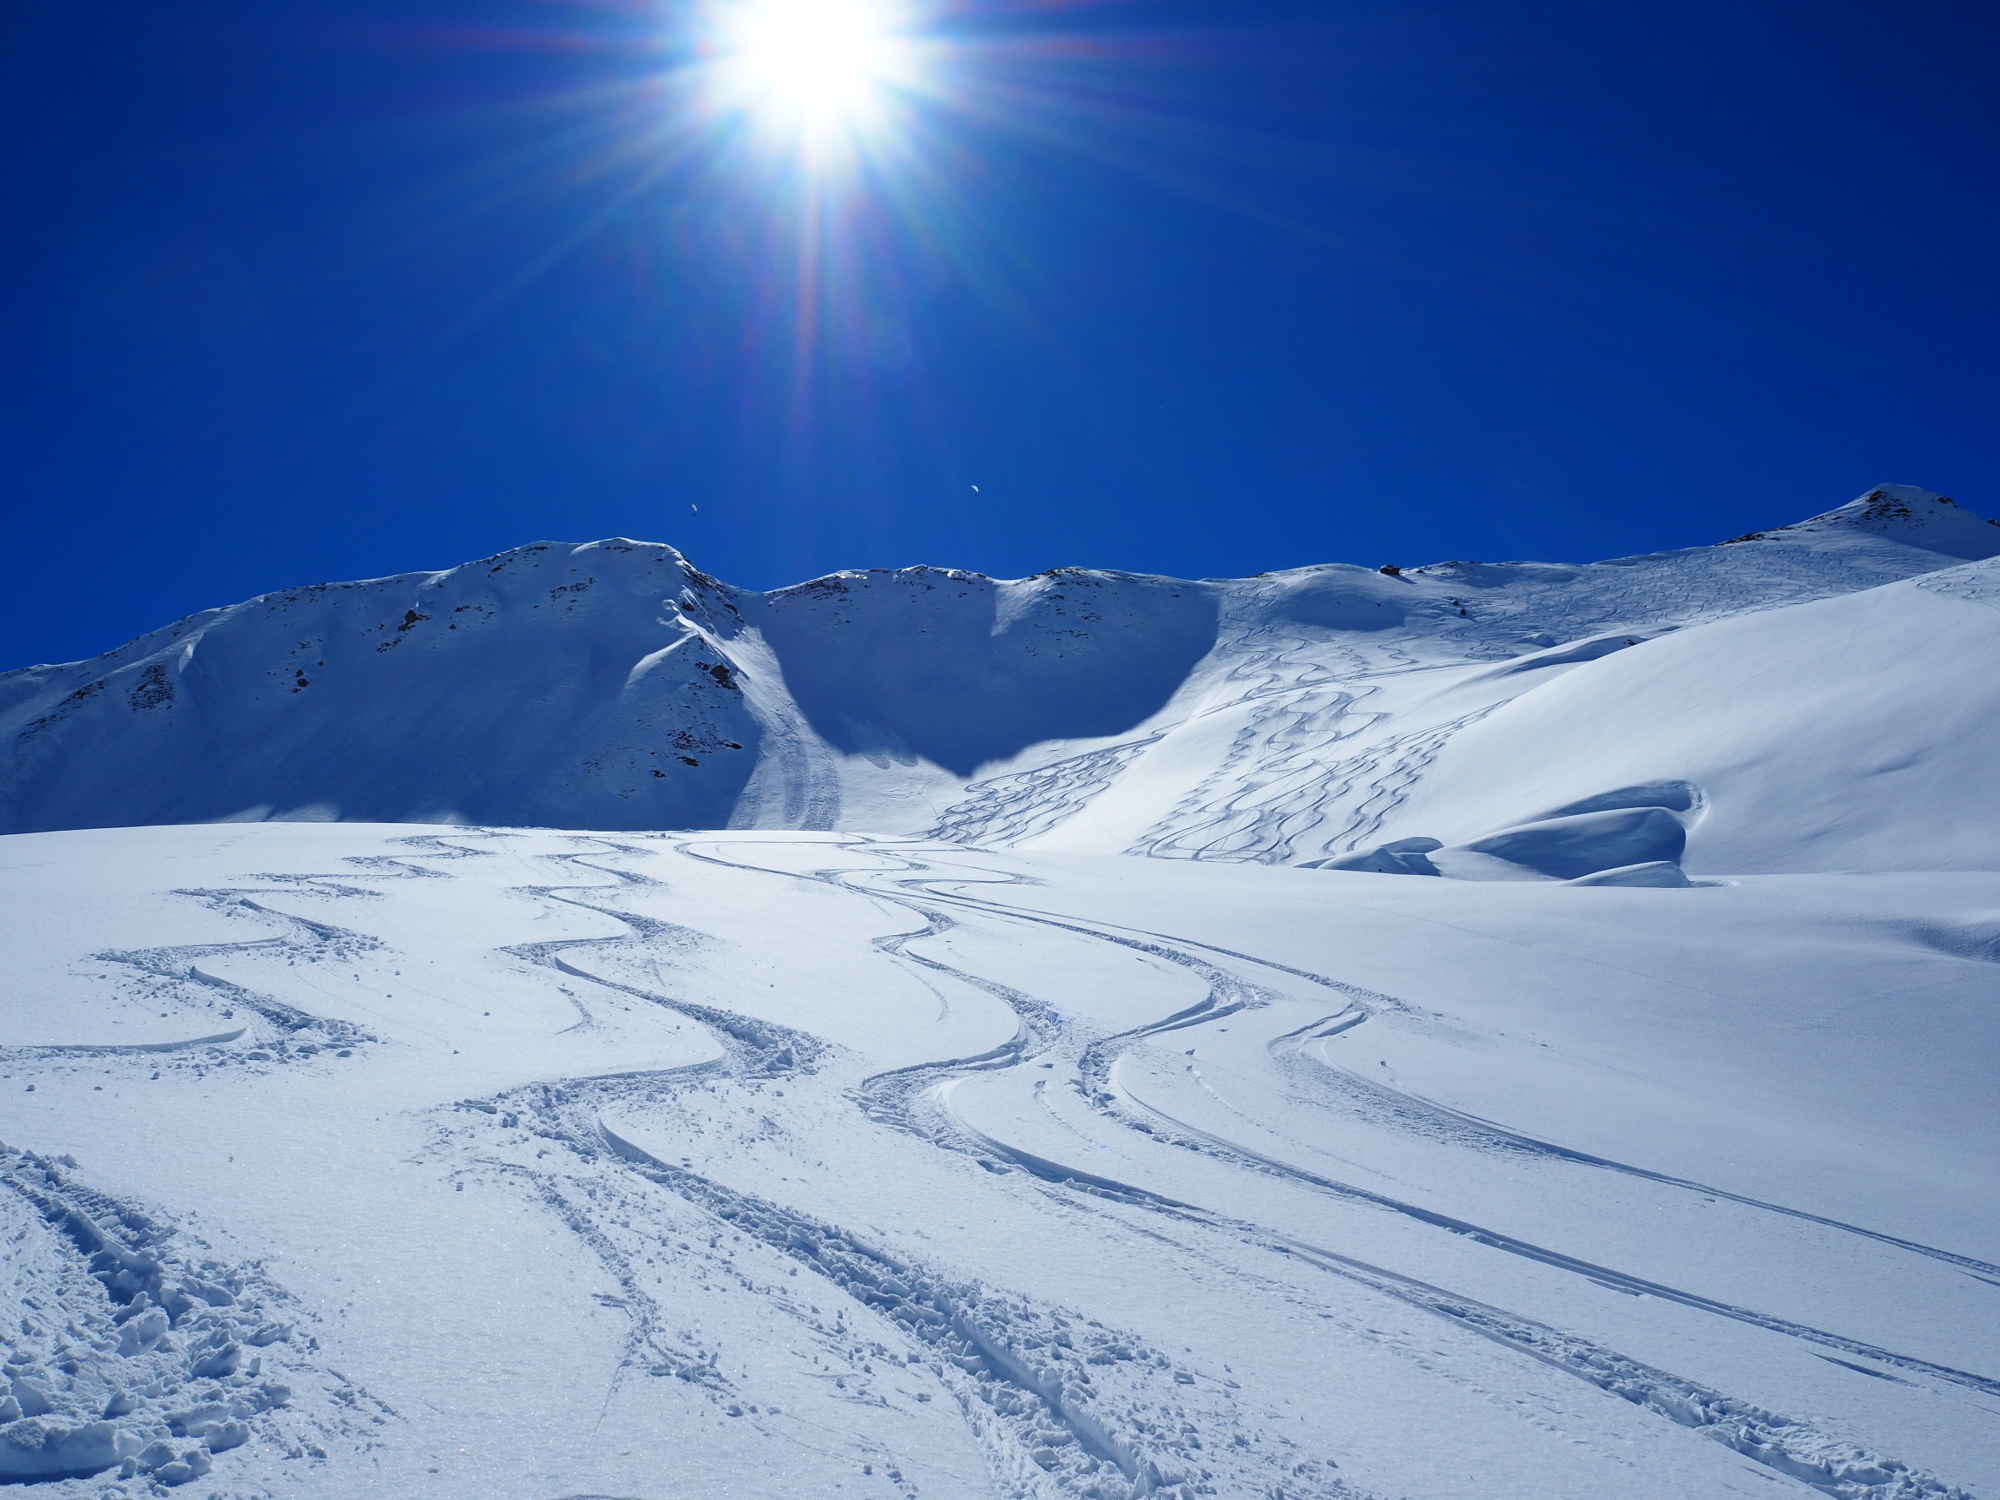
<point x="1662" y="874"/>
<point x="1584" y="843"/>
<point x="1591" y="648"/>
<point x="1629" y="836"/>
<point x="1846" y="733"/>
<point x="1397" y="857"/>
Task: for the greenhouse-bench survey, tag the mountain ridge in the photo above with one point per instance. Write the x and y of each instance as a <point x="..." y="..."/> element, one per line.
<point x="1867" y="507"/>
<point x="613" y="684"/>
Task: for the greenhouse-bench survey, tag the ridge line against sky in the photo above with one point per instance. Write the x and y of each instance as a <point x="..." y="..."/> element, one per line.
<point x="1176" y="288"/>
<point x="558" y="543"/>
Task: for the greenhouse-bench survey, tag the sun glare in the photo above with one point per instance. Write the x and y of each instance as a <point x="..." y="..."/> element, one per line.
<point x="815" y="69"/>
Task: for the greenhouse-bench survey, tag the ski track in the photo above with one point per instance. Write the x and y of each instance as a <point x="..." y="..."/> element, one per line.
<point x="1415" y="1112"/>
<point x="1780" y="1444"/>
<point x="131" y="1358"/>
<point x="1279" y="783"/>
<point x="1271" y="788"/>
<point x="1227" y="996"/>
<point x="163" y="1367"/>
<point x="755" y="1048"/>
<point x="1294" y="789"/>
<point x="1021" y="1372"/>
<point x="285" y="1033"/>
<point x="1022" y="804"/>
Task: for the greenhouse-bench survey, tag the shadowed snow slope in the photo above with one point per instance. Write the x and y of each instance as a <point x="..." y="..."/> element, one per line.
<point x="1275" y="719"/>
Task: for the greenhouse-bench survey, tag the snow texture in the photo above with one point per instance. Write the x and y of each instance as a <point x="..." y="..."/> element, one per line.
<point x="563" y="1027"/>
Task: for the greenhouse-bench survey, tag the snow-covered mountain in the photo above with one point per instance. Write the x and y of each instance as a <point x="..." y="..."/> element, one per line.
<point x="1275" y="719"/>
<point x="1472" y="1032"/>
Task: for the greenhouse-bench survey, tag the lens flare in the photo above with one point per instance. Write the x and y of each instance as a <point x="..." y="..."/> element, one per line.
<point x="818" y="71"/>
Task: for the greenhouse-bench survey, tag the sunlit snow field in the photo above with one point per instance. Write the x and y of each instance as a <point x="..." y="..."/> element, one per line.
<point x="1545" y="1051"/>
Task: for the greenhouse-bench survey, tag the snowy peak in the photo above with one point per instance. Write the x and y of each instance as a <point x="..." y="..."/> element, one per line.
<point x="614" y="685"/>
<point x="546" y="682"/>
<point x="1903" y="513"/>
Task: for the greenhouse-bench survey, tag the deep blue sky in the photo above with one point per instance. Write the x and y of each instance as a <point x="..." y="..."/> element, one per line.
<point x="316" y="290"/>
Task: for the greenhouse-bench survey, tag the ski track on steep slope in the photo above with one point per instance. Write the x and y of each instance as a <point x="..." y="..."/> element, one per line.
<point x="1292" y="792"/>
<point x="1019" y="805"/>
<point x="1008" y="809"/>
<point x="1274" y="785"/>
<point x="1781" y="1444"/>
<point x="1276" y="743"/>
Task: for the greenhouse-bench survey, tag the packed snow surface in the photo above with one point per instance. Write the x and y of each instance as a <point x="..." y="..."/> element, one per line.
<point x="1548" y="1051"/>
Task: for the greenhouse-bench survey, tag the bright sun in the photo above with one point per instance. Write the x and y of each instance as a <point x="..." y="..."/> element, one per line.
<point x="815" y="69"/>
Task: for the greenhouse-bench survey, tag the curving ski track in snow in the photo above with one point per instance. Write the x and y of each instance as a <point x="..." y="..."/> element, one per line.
<point x="1013" y="1364"/>
<point x="1021" y="1370"/>
<point x="1780" y="1443"/>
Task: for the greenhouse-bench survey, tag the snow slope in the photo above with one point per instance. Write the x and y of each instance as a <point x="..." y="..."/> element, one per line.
<point x="522" y="1163"/>
<point x="1277" y="719"/>
<point x="1547" y="1054"/>
<point x="1855" y="733"/>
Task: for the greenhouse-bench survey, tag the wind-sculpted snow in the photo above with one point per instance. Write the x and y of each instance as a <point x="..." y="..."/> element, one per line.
<point x="1850" y="733"/>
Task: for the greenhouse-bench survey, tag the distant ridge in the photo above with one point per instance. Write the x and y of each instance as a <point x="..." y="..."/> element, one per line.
<point x="615" y="685"/>
<point x="1935" y="521"/>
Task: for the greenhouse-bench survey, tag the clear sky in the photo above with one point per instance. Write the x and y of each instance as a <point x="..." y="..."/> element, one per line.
<point x="311" y="290"/>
